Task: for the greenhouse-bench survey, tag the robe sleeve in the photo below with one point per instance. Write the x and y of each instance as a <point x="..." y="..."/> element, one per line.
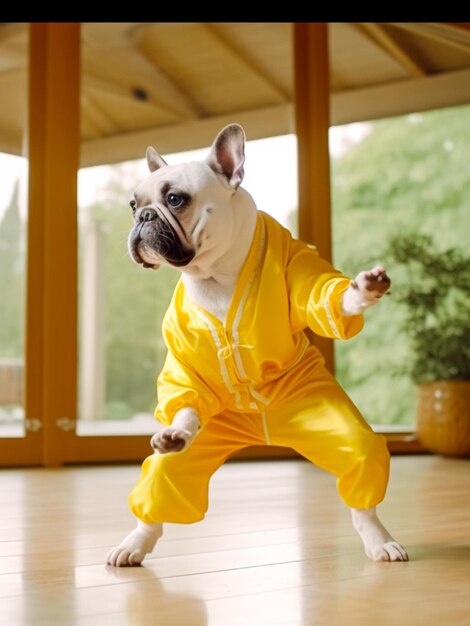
<point x="315" y="288"/>
<point x="179" y="386"/>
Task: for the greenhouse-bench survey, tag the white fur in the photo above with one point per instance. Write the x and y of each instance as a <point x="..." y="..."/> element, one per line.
<point x="210" y="281"/>
<point x="222" y="225"/>
<point x="184" y="427"/>
<point x="132" y="550"/>
<point x="359" y="296"/>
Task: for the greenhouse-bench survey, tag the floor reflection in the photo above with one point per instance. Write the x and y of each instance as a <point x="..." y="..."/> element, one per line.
<point x="153" y="602"/>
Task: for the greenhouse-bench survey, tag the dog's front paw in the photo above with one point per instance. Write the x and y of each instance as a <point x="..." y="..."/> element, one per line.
<point x="372" y="283"/>
<point x="171" y="439"/>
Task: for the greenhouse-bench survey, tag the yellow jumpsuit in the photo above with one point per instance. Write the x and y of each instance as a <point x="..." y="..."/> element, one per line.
<point x="257" y="380"/>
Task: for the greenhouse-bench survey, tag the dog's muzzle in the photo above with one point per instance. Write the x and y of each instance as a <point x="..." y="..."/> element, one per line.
<point x="152" y="231"/>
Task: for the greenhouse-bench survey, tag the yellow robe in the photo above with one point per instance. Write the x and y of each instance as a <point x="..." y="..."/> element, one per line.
<point x="257" y="380"/>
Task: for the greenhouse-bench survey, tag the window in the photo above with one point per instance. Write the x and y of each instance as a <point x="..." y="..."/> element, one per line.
<point x="13" y="174"/>
<point x="398" y="175"/>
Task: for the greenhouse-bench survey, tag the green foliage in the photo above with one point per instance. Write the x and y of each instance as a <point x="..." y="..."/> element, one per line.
<point x="408" y="174"/>
<point x="436" y="297"/>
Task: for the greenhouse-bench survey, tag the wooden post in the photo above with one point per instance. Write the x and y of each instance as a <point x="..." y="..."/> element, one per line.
<point x="312" y="115"/>
<point x="53" y="148"/>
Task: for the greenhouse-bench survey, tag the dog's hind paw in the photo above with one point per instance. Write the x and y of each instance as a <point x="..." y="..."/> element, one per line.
<point x="134" y="548"/>
<point x="122" y="557"/>
<point x="389" y="551"/>
<point x="379" y="545"/>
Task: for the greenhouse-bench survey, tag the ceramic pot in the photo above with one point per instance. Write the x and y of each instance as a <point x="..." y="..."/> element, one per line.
<point x="443" y="417"/>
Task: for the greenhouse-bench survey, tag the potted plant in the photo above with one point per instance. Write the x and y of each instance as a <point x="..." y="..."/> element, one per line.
<point x="435" y="290"/>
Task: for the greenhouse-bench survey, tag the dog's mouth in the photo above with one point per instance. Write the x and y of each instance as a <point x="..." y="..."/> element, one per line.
<point x="153" y="239"/>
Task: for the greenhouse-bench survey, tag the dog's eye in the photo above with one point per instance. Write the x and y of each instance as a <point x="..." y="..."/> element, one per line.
<point x="174" y="200"/>
<point x="132" y="204"/>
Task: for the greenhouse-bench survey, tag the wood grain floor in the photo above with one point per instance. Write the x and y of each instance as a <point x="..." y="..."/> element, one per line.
<point x="276" y="549"/>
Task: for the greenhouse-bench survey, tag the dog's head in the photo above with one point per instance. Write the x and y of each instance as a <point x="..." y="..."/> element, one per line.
<point x="183" y="212"/>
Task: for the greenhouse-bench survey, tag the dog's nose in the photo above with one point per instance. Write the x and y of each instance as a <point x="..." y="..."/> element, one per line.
<point x="147" y="215"/>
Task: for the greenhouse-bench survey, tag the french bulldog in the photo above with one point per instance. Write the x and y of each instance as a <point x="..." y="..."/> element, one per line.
<point x="196" y="217"/>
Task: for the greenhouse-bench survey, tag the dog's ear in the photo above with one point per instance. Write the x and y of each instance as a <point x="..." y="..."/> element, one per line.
<point x="227" y="154"/>
<point x="154" y="160"/>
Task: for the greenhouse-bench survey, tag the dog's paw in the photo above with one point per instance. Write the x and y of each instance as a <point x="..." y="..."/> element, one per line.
<point x="372" y="283"/>
<point x="379" y="545"/>
<point x="122" y="557"/>
<point x="133" y="549"/>
<point x="388" y="551"/>
<point x="171" y="439"/>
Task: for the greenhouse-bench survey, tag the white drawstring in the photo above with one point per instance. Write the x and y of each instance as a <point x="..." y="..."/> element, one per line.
<point x="225" y="352"/>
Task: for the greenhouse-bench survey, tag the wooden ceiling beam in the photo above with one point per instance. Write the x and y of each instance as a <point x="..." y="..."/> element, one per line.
<point x="248" y="63"/>
<point x="459" y="30"/>
<point x="188" y="108"/>
<point x="386" y="42"/>
<point x="461" y="26"/>
<point x="435" y="91"/>
<point x="259" y="123"/>
<point x="354" y="105"/>
<point x="11" y="143"/>
<point x="8" y="73"/>
<point x="106" y="87"/>
<point x="338" y="80"/>
<point x="13" y="31"/>
<point x="436" y="32"/>
<point x="96" y="117"/>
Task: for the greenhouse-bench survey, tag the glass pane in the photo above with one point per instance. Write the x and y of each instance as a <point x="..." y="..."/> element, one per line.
<point x="13" y="217"/>
<point x="264" y="159"/>
<point x="394" y="177"/>
<point x="121" y="308"/>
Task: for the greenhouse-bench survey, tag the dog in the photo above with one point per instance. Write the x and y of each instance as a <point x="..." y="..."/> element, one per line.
<point x="240" y="369"/>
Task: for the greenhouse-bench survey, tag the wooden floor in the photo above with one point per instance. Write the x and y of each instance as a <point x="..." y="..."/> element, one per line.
<point x="276" y="549"/>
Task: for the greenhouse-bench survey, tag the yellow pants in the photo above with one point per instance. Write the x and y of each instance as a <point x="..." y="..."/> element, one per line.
<point x="319" y="421"/>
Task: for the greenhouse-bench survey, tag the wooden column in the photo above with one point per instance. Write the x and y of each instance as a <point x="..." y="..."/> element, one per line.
<point x="53" y="149"/>
<point x="312" y="115"/>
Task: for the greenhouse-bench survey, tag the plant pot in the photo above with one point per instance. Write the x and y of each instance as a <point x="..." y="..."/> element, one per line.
<point x="443" y="419"/>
